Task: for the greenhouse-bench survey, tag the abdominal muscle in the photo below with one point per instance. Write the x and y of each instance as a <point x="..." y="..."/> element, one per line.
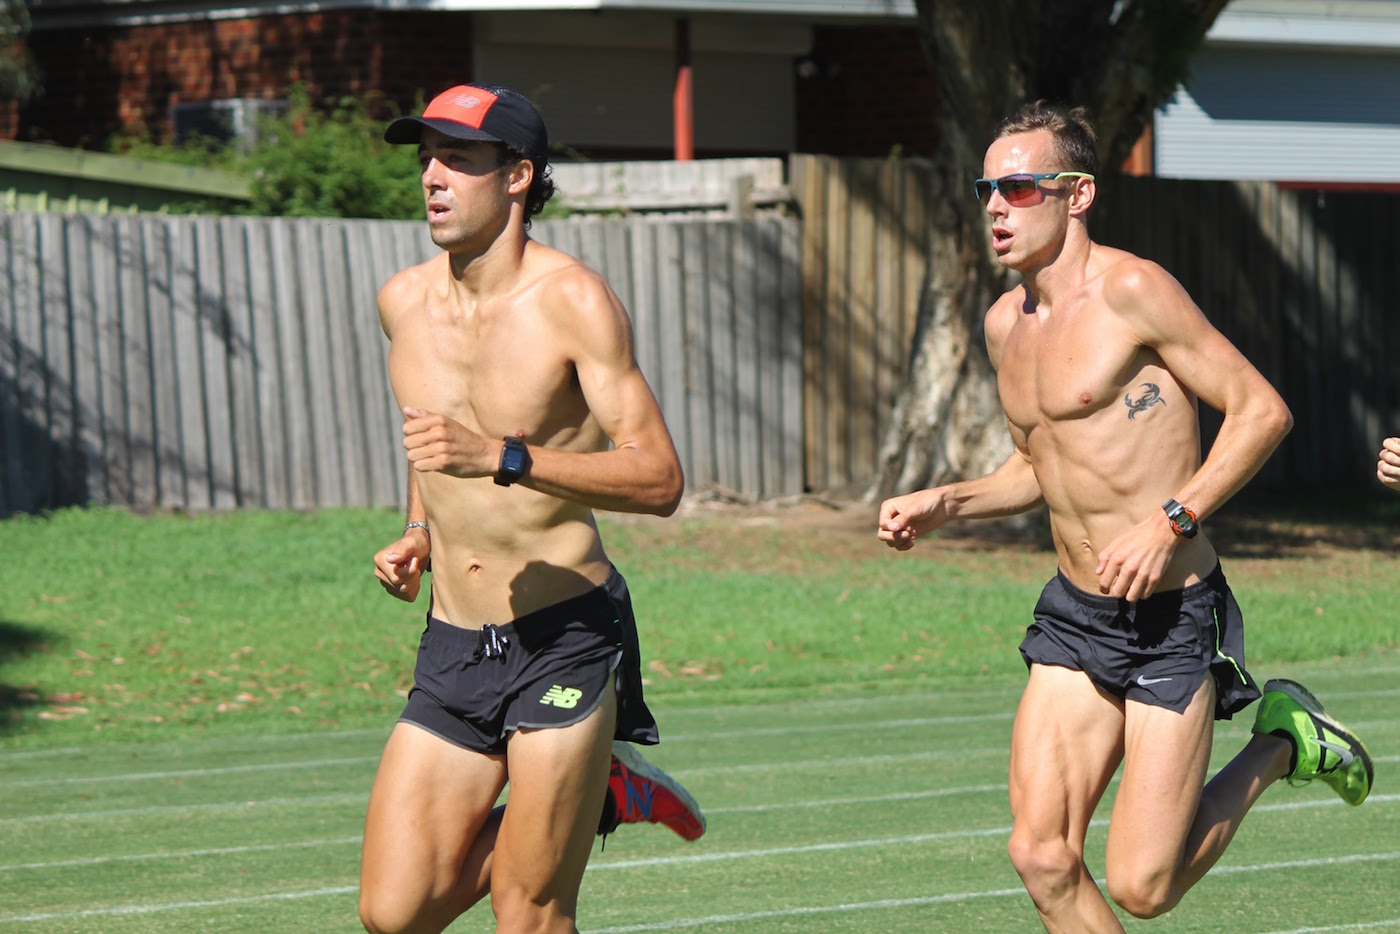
<point x="500" y="553"/>
<point x="1093" y="499"/>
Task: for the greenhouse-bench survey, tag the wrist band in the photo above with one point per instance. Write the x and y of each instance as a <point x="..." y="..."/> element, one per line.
<point x="417" y="524"/>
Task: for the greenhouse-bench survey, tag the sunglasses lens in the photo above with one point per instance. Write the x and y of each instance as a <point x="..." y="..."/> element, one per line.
<point x="1017" y="189"/>
<point x="984" y="189"/>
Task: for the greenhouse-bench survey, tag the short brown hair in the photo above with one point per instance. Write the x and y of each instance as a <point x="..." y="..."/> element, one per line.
<point x="1075" y="140"/>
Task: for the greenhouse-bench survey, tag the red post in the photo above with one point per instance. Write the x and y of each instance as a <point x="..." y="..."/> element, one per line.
<point x="682" y="102"/>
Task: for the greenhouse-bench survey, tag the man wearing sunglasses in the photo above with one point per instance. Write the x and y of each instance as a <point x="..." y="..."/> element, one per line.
<point x="1137" y="644"/>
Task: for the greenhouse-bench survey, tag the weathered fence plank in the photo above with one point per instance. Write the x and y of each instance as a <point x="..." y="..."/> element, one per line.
<point x="166" y="361"/>
<point x="239" y="362"/>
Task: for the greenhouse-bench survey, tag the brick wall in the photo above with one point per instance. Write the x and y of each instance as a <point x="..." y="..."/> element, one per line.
<point x="865" y="90"/>
<point x="103" y="81"/>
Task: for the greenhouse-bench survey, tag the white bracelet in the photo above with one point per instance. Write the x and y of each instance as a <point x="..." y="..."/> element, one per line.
<point x="417" y="524"/>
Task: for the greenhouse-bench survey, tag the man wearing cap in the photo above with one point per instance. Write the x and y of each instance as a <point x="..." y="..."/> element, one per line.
<point x="524" y="410"/>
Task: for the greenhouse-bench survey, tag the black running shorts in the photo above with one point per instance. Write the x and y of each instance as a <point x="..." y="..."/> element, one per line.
<point x="1155" y="651"/>
<point x="549" y="668"/>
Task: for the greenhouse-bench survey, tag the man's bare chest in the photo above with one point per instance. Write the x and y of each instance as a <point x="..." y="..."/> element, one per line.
<point x="1064" y="370"/>
<point x="492" y="380"/>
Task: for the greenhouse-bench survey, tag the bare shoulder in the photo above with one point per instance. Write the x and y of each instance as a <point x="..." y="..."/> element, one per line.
<point x="577" y="297"/>
<point x="1144" y="295"/>
<point x="405" y="290"/>
<point x="1129" y="281"/>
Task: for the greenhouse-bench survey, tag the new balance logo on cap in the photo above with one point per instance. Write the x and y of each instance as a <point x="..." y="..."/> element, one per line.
<point x="566" y="698"/>
<point x="479" y="112"/>
<point x="465" y="100"/>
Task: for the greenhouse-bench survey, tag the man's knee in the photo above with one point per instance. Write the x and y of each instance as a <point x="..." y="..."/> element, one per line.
<point x="1047" y="865"/>
<point x="392" y="914"/>
<point x="383" y="916"/>
<point x="1142" y="894"/>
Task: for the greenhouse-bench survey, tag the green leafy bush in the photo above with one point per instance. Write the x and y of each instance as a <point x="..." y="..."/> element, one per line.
<point x="308" y="162"/>
<point x="313" y="163"/>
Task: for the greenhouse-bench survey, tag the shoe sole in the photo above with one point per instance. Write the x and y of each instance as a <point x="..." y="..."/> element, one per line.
<point x="637" y="765"/>
<point x="1304" y="698"/>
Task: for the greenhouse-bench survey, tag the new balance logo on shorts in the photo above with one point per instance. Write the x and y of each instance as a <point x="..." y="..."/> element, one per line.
<point x="567" y="698"/>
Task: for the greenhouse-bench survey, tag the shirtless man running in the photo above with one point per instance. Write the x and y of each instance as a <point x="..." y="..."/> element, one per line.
<point x="1137" y="645"/>
<point x="524" y="410"/>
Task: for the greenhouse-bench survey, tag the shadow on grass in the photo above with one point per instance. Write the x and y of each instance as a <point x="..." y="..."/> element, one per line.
<point x="1264" y="527"/>
<point x="16" y="641"/>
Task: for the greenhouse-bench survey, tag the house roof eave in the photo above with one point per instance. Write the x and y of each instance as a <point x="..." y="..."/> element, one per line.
<point x="63" y="14"/>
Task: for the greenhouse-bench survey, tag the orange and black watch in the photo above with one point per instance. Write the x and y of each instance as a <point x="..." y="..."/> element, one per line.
<point x="1182" y="519"/>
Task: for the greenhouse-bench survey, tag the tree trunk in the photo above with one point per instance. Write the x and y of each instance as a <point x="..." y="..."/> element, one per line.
<point x="1118" y="58"/>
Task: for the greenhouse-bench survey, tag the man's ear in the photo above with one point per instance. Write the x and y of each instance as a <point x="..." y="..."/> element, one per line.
<point x="521" y="176"/>
<point x="1082" y="195"/>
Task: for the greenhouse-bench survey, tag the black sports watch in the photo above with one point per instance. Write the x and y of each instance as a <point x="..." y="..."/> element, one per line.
<point x="515" y="461"/>
<point x="1183" y="520"/>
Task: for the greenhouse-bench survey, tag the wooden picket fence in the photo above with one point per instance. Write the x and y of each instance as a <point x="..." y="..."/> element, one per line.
<point x="203" y="363"/>
<point x="212" y="363"/>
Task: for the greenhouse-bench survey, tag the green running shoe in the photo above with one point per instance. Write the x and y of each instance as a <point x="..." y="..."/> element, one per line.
<point x="1322" y="747"/>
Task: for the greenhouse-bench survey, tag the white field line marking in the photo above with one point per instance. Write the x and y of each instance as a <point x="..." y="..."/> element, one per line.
<point x="177" y="906"/>
<point x="884" y="903"/>
<point x="744" y="809"/>
<point x="866" y="725"/>
<point x="183" y="854"/>
<point x="724" y="769"/>
<point x="292" y="801"/>
<point x="683" y="737"/>
<point x="361" y="797"/>
<point x="893" y="758"/>
<point x="953" y="835"/>
<point x="191" y="773"/>
<point x="258" y="742"/>
<point x="1357" y="926"/>
<point x="1308" y="863"/>
<point x="753" y="808"/>
<point x="710" y="857"/>
<point x="887" y="903"/>
<point x="358" y="760"/>
<point x="864" y="799"/>
<point x="726" y="855"/>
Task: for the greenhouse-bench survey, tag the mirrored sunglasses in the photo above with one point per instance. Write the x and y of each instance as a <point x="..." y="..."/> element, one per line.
<point x="1020" y="188"/>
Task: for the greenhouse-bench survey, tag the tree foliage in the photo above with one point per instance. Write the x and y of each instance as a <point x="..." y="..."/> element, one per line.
<point x="19" y="79"/>
<point x="1117" y="58"/>
<point x="316" y="163"/>
<point x="308" y="162"/>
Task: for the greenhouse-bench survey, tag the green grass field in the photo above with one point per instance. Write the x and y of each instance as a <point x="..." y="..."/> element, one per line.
<point x="191" y="710"/>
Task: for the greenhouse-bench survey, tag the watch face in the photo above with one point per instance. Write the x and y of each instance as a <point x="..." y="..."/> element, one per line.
<point x="515" y="460"/>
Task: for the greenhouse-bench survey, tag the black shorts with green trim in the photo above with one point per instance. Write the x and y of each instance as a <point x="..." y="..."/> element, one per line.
<point x="1155" y="651"/>
<point x="549" y="668"/>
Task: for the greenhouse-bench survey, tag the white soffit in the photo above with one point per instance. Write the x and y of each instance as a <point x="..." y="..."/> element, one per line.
<point x="1338" y="24"/>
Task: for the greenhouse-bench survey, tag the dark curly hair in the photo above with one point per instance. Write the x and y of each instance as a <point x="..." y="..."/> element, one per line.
<point x="1075" y="140"/>
<point x="541" y="188"/>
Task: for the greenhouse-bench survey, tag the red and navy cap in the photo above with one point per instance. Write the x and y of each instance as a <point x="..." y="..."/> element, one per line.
<point x="485" y="112"/>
